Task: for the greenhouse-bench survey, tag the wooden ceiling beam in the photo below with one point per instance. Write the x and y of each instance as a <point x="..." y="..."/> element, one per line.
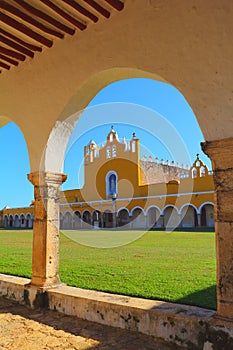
<point x="117" y="4"/>
<point x="98" y="8"/>
<point x="13" y="54"/>
<point x="24" y="29"/>
<point x="15" y="11"/>
<point x="4" y="65"/>
<point x="9" y="60"/>
<point x="16" y="46"/>
<point x="64" y="14"/>
<point x="81" y="10"/>
<point x="20" y="41"/>
<point x="45" y="17"/>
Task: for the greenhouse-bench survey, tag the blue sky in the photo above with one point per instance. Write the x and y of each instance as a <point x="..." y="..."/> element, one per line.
<point x="157" y="112"/>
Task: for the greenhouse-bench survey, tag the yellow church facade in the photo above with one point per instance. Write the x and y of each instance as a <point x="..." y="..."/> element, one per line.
<point x="121" y="190"/>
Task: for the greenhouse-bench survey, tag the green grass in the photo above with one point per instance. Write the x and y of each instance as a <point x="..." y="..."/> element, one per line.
<point x="178" y="267"/>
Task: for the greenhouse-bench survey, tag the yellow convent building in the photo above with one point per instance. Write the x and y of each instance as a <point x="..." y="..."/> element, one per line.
<point x="122" y="190"/>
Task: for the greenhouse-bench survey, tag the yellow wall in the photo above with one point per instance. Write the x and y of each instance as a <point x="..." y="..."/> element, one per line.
<point x="130" y="192"/>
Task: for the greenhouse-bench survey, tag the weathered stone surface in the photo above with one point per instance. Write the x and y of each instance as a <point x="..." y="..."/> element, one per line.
<point x="177" y="325"/>
<point x="221" y="154"/>
<point x="22" y="328"/>
<point x="45" y="258"/>
<point x="153" y="172"/>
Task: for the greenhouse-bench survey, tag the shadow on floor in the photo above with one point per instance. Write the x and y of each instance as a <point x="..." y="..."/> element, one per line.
<point x="21" y="327"/>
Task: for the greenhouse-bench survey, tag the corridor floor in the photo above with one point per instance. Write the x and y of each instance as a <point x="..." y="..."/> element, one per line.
<point x="23" y="328"/>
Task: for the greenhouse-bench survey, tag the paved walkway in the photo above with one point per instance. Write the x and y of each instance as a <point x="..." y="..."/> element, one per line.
<point x="22" y="328"/>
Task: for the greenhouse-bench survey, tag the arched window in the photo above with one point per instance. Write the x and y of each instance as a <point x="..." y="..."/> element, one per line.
<point x="114" y="151"/>
<point x="108" y="152"/>
<point x="111" y="183"/>
<point x="202" y="171"/>
<point x="194" y="173"/>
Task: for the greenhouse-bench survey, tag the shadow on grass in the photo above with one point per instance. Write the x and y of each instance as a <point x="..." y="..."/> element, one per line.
<point x="204" y="298"/>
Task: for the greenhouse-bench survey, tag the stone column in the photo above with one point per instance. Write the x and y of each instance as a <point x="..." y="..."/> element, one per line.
<point x="180" y="220"/>
<point x="45" y="253"/>
<point x="198" y="220"/>
<point x="221" y="154"/>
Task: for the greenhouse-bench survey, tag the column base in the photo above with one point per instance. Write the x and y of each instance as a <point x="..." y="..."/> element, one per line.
<point x="225" y="311"/>
<point x="36" y="296"/>
<point x="43" y="284"/>
<point x="220" y="321"/>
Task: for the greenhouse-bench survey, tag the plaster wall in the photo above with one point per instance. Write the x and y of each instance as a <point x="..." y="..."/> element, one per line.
<point x="188" y="44"/>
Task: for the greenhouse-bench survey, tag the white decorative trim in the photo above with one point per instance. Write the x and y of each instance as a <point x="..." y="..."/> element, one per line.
<point x="122" y="208"/>
<point x="153" y="207"/>
<point x="103" y="201"/>
<point x="85" y="211"/>
<point x="188" y="205"/>
<point x="137" y="207"/>
<point x="203" y="204"/>
<point x="167" y="206"/>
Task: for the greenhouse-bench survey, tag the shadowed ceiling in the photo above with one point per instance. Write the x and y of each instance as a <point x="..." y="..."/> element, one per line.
<point x="29" y="26"/>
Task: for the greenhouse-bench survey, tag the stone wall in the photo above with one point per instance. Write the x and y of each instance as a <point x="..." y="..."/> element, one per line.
<point x="154" y="172"/>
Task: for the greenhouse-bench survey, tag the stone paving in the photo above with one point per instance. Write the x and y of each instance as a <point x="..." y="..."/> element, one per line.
<point x="26" y="329"/>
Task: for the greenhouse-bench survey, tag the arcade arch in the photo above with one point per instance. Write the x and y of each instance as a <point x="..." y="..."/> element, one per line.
<point x="209" y="91"/>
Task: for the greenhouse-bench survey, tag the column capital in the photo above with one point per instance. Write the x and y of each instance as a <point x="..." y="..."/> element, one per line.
<point x="220" y="152"/>
<point x="41" y="178"/>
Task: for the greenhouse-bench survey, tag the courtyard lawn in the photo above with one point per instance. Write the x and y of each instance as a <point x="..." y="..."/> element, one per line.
<point x="178" y="267"/>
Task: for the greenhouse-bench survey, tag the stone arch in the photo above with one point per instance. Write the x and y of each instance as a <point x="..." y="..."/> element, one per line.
<point x="171" y="217"/>
<point x="135" y="208"/>
<point x="63" y="127"/>
<point x="11" y="220"/>
<point x="67" y="221"/>
<point x="207" y="214"/>
<point x="123" y="217"/>
<point x="86" y="218"/>
<point x="122" y="208"/>
<point x="138" y="217"/>
<point x="186" y="205"/>
<point x="22" y="220"/>
<point x="153" y="216"/>
<point x="107" y="219"/>
<point x="77" y="219"/>
<point x="97" y="218"/>
<point x="6" y="221"/>
<point x="29" y="221"/>
<point x="16" y="221"/>
<point x="189" y="217"/>
<point x="140" y="39"/>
